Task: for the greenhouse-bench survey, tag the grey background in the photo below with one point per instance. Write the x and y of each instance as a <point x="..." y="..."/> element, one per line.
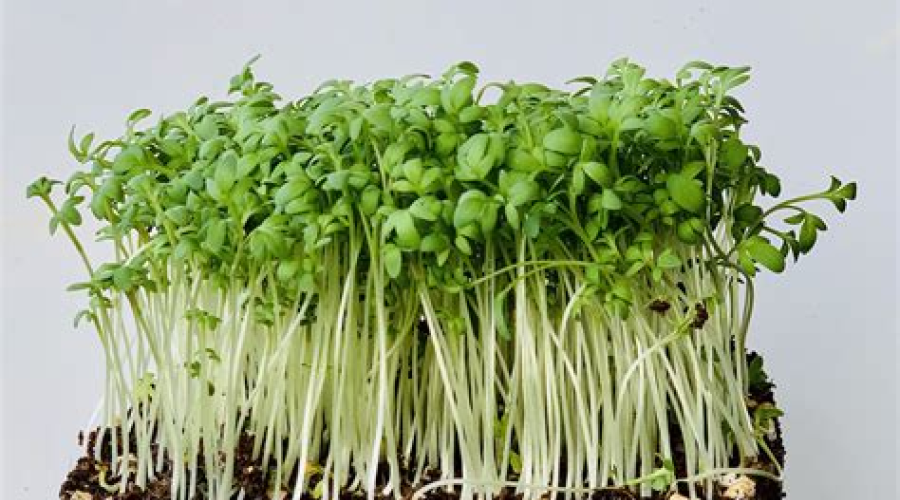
<point x="823" y="99"/>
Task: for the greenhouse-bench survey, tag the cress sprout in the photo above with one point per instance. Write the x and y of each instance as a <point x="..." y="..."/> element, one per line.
<point x="534" y="289"/>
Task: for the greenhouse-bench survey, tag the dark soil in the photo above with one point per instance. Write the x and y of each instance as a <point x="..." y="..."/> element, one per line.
<point x="84" y="481"/>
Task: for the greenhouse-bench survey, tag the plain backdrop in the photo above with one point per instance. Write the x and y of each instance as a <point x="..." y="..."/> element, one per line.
<point x="822" y="100"/>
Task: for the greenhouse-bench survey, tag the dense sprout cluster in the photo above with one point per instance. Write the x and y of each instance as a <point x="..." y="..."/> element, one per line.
<point x="484" y="217"/>
<point x="620" y="173"/>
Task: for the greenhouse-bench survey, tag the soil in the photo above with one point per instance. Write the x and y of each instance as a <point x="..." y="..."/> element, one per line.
<point x="84" y="481"/>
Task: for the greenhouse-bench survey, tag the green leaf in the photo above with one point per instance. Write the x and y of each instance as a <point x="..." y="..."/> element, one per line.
<point x="426" y="208"/>
<point x="690" y="231"/>
<point x="521" y="159"/>
<point x="631" y="123"/>
<point x="599" y="173"/>
<point x="663" y="478"/>
<point x="478" y="156"/>
<point x="610" y="200"/>
<point x="523" y="191"/>
<point x="426" y="97"/>
<point x="405" y="227"/>
<point x="764" y="416"/>
<point x="319" y="489"/>
<point x="290" y="191"/>
<point x="211" y="148"/>
<point x="576" y="187"/>
<point x="767" y="411"/>
<point x="412" y="170"/>
<point x="848" y="191"/>
<point x="512" y="216"/>
<point x="180" y="215"/>
<point x="687" y="193"/>
<point x="137" y="115"/>
<point x="463" y="245"/>
<point x="123" y="278"/>
<point x="622" y="291"/>
<point x="796" y="218"/>
<point x="756" y="375"/>
<point x="668" y="260"/>
<point x="489" y="217"/>
<point x="369" y="200"/>
<point x="393" y="260"/>
<point x="287" y="270"/>
<point x="469" y="208"/>
<point x="458" y="95"/>
<point x="74" y="148"/>
<point x="84" y="314"/>
<point x="467" y="67"/>
<point x="765" y="253"/>
<point x="41" y="188"/>
<point x="748" y="213"/>
<point x="130" y="158"/>
<point x="661" y="126"/>
<point x="68" y="211"/>
<point x="532" y="225"/>
<point x="733" y="153"/>
<point x="434" y="243"/>
<point x="635" y="268"/>
<point x="807" y="236"/>
<point x="380" y="116"/>
<point x="771" y="185"/>
<point x="85" y="144"/>
<point x="215" y="236"/>
<point x="515" y="462"/>
<point x="225" y="175"/>
<point x="564" y="141"/>
<point x="87" y="285"/>
<point x="599" y="102"/>
<point x="839" y="195"/>
<point x="337" y="181"/>
<point x="471" y="113"/>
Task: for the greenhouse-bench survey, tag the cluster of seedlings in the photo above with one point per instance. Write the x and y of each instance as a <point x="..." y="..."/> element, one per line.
<point x="426" y="281"/>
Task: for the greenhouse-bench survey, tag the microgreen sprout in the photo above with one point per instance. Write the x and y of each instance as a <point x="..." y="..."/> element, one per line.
<point x="531" y="291"/>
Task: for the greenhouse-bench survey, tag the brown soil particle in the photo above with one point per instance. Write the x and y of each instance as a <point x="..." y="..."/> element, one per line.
<point x="700" y="316"/>
<point x="613" y="495"/>
<point x="659" y="306"/>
